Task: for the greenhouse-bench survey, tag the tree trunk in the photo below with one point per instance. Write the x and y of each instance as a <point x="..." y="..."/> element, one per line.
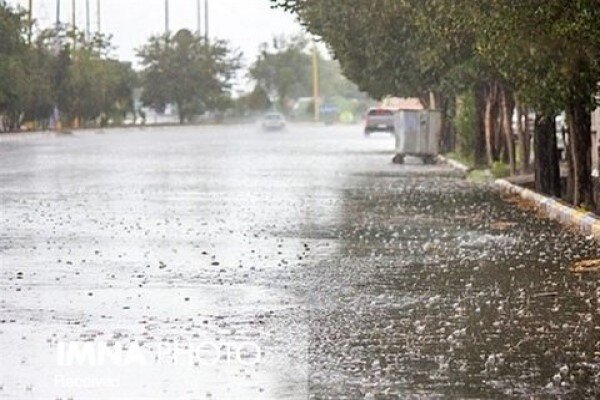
<point x="460" y="146"/>
<point x="524" y="139"/>
<point x="450" y="133"/>
<point x="425" y="100"/>
<point x="180" y="112"/>
<point x="499" y="142"/>
<point x="446" y="139"/>
<point x="507" y="108"/>
<point x="479" y="128"/>
<point x="581" y="143"/>
<point x="570" y="164"/>
<point x="491" y="116"/>
<point x="546" y="163"/>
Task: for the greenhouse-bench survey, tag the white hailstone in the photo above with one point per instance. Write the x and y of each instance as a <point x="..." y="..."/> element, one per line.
<point x="564" y="370"/>
<point x="490" y="362"/>
<point x="500" y="359"/>
<point x="556" y="379"/>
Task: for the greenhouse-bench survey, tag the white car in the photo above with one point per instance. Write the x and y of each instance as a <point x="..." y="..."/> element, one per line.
<point x="273" y="121"/>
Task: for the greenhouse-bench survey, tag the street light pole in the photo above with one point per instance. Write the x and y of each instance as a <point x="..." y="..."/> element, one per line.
<point x="206" y="20"/>
<point x="74" y="22"/>
<point x="30" y="21"/>
<point x="199" y="17"/>
<point x="73" y="15"/>
<point x="98" y="15"/>
<point x="166" y="16"/>
<point x="57" y="14"/>
<point x="87" y="19"/>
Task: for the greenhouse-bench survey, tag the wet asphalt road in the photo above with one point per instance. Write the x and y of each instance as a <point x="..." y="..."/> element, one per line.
<point x="230" y="263"/>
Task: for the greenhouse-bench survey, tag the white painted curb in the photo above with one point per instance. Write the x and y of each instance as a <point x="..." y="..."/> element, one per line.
<point x="454" y="163"/>
<point x="587" y="222"/>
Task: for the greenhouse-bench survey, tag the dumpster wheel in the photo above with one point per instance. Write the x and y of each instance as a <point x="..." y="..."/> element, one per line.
<point x="398" y="159"/>
<point x="429" y="160"/>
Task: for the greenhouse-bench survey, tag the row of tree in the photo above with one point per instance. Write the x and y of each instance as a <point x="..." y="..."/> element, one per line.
<point x="188" y="71"/>
<point x="195" y="75"/>
<point x="62" y="76"/>
<point x="283" y="71"/>
<point x="58" y="75"/>
<point x="502" y="58"/>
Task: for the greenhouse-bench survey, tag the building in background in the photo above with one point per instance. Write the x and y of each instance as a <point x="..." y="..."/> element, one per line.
<point x="402" y="103"/>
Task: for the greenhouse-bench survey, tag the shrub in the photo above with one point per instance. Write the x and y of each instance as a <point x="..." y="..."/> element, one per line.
<point x="500" y="169"/>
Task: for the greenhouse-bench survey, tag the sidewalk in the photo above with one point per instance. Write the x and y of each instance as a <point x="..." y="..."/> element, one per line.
<point x="586" y="222"/>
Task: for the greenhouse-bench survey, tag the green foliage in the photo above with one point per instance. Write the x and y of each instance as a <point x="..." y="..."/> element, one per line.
<point x="283" y="69"/>
<point x="39" y="95"/>
<point x="464" y="124"/>
<point x="480" y="175"/>
<point x="543" y="53"/>
<point x="547" y="50"/>
<point x="59" y="68"/>
<point x="99" y="88"/>
<point x="392" y="47"/>
<point x="255" y="101"/>
<point x="332" y="82"/>
<point x="12" y="28"/>
<point x="90" y="86"/>
<point x="185" y="70"/>
<point x="13" y="79"/>
<point x="500" y="169"/>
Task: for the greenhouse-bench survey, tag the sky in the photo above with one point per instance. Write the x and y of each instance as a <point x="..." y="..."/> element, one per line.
<point x="244" y="23"/>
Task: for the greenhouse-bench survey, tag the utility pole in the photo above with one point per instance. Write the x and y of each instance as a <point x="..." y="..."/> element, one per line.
<point x="315" y="68"/>
<point x="199" y="17"/>
<point x="166" y="16"/>
<point x="73" y="15"/>
<point x="57" y="27"/>
<point x="74" y="22"/>
<point x="57" y="14"/>
<point x="98" y="15"/>
<point x="30" y="21"/>
<point x="87" y="19"/>
<point x="206" y="20"/>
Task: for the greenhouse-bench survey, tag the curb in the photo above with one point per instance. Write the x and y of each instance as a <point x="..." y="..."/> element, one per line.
<point x="455" y="164"/>
<point x="11" y="136"/>
<point x="586" y="222"/>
